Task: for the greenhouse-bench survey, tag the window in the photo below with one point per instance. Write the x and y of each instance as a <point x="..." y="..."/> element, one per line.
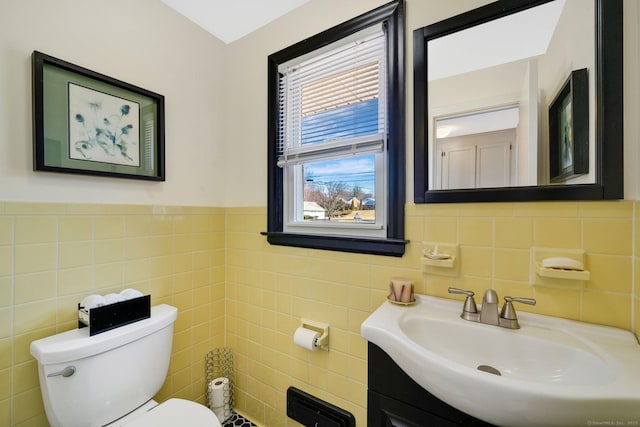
<point x="336" y="138"/>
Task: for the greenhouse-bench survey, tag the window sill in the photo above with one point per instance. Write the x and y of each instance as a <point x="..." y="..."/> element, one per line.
<point x="362" y="245"/>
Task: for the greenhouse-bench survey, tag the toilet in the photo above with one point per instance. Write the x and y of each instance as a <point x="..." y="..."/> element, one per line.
<point x="110" y="378"/>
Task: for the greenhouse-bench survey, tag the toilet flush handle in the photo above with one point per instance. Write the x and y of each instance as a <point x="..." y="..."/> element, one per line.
<point x="66" y="372"/>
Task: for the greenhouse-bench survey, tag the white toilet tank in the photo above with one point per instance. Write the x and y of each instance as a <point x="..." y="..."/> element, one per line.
<point x="113" y="372"/>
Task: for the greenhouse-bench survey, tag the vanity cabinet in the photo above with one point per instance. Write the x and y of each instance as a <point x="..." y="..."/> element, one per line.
<point x="394" y="399"/>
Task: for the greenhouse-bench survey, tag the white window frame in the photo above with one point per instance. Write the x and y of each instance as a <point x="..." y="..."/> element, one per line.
<point x="295" y="155"/>
<point x="294" y="207"/>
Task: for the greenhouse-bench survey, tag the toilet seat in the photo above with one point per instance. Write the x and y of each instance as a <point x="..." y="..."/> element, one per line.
<point x="176" y="412"/>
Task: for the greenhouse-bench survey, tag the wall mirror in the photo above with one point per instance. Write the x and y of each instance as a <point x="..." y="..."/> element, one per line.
<point x="520" y="100"/>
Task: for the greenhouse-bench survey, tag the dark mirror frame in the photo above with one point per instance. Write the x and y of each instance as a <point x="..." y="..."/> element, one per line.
<point x="608" y="103"/>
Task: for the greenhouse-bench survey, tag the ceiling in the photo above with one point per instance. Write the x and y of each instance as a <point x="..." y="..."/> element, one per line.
<point x="229" y="20"/>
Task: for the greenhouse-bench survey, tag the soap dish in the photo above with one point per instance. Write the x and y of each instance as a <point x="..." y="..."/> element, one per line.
<point x="448" y="262"/>
<point x="435" y="255"/>
<point x="560" y="273"/>
<point x="413" y="301"/>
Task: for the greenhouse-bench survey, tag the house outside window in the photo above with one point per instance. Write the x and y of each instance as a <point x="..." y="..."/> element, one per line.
<point x="336" y="138"/>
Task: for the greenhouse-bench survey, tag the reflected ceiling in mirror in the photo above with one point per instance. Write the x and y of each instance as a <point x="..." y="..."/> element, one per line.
<point x="502" y="66"/>
<point x="512" y="38"/>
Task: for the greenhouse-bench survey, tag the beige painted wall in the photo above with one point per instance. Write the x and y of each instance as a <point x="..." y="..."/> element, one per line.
<point x="216" y="95"/>
<point x="216" y="99"/>
<point x="247" y="76"/>
<point x="143" y="43"/>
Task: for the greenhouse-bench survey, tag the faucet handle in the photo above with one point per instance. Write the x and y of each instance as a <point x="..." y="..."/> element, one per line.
<point x="508" y="312"/>
<point x="529" y="301"/>
<point x="461" y="291"/>
<point x="469" y="302"/>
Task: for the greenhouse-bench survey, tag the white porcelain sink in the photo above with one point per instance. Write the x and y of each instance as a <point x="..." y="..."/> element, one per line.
<point x="551" y="371"/>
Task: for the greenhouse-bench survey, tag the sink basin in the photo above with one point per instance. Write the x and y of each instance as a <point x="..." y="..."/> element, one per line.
<point x="556" y="358"/>
<point x="551" y="371"/>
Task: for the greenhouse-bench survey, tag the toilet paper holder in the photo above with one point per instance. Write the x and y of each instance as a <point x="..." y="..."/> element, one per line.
<point x="320" y="327"/>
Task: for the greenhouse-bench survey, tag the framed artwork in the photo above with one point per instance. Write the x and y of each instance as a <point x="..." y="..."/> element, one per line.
<point x="569" y="128"/>
<point x="88" y="123"/>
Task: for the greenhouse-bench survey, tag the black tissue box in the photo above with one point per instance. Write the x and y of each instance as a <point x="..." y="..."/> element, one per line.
<point x="107" y="317"/>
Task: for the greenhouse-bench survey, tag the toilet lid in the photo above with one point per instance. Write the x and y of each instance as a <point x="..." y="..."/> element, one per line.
<point x="176" y="412"/>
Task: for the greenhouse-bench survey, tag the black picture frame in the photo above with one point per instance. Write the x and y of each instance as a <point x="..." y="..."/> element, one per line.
<point x="569" y="128"/>
<point x="87" y="123"/>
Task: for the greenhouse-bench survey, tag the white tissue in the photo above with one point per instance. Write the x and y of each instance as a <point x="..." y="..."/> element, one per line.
<point x="306" y="338"/>
<point x="93" y="301"/>
<point x="113" y="298"/>
<point x="220" y="398"/>
<point x="219" y="392"/>
<point x="130" y="293"/>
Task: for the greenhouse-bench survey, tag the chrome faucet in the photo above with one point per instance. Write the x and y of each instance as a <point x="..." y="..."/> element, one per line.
<point x="489" y="309"/>
<point x="488" y="314"/>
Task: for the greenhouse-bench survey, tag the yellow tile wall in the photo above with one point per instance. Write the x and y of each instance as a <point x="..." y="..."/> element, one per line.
<point x="203" y="259"/>
<point x="52" y="255"/>
<point x="269" y="288"/>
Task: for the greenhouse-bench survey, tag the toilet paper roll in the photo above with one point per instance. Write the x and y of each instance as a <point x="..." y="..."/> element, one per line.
<point x="131" y="293"/>
<point x="93" y="301"/>
<point x="306" y="338"/>
<point x="112" y="298"/>
<point x="219" y="394"/>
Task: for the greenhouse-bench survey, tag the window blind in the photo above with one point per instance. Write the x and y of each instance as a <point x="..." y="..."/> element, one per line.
<point x="333" y="102"/>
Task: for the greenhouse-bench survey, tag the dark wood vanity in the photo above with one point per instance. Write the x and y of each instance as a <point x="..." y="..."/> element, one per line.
<point x="394" y="399"/>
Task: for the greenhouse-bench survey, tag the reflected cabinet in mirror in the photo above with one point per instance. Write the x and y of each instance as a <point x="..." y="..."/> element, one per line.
<point x="520" y="100"/>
